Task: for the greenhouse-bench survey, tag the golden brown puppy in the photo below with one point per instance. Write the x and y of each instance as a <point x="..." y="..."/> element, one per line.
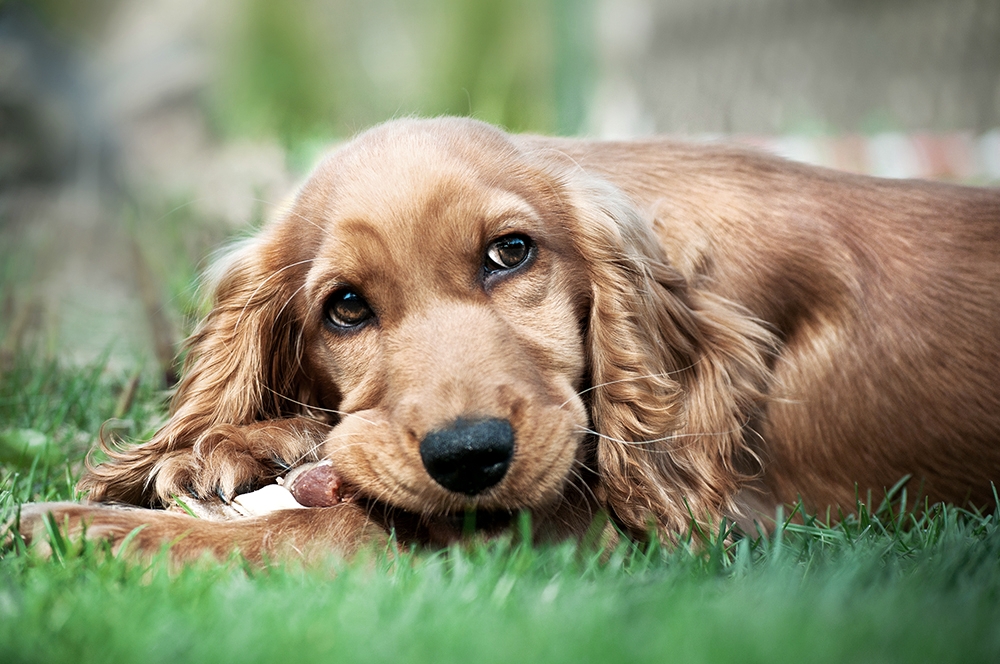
<point x="460" y="319"/>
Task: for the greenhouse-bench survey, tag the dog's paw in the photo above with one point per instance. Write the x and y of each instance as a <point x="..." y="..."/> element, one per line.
<point x="239" y="459"/>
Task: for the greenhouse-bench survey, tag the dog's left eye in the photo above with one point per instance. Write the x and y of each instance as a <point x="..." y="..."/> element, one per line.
<point x="508" y="252"/>
<point x="347" y="308"/>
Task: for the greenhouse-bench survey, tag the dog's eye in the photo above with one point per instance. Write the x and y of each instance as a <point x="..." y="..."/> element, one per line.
<point x="508" y="252"/>
<point x="347" y="308"/>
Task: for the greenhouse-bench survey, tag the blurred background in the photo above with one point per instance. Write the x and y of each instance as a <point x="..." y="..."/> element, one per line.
<point x="136" y="136"/>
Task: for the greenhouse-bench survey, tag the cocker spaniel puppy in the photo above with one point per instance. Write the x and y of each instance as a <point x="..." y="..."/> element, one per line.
<point x="465" y="322"/>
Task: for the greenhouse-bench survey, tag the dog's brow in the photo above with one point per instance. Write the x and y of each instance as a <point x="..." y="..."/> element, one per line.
<point x="339" y="260"/>
<point x="505" y="206"/>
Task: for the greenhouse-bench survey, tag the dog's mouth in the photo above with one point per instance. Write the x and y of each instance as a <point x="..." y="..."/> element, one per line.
<point x="318" y="485"/>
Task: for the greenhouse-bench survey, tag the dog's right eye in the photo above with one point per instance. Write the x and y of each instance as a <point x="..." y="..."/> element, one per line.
<point x="508" y="252"/>
<point x="347" y="308"/>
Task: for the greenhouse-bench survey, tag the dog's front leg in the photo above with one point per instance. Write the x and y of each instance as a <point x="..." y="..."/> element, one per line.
<point x="309" y="535"/>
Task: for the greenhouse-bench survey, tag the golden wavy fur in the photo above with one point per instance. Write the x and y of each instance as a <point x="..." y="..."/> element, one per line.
<point x="675" y="332"/>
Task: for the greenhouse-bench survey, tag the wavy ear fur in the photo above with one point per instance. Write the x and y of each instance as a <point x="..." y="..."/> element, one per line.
<point x="676" y="375"/>
<point x="240" y="368"/>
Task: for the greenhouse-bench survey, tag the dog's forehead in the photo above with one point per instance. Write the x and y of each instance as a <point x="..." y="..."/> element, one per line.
<point x="389" y="204"/>
<point x="395" y="173"/>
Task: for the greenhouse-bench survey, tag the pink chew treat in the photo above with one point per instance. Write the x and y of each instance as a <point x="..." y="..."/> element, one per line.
<point x="315" y="485"/>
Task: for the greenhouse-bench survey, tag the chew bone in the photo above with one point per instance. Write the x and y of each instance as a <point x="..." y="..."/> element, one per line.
<point x="265" y="500"/>
<point x="315" y="485"/>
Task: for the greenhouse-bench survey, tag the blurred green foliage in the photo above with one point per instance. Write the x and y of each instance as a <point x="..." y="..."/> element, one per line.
<point x="308" y="71"/>
<point x="311" y="70"/>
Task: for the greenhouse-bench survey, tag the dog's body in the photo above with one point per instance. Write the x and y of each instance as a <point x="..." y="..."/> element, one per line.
<point x="462" y="319"/>
<point x="884" y="295"/>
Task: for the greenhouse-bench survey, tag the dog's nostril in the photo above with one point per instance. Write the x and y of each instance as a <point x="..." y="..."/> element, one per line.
<point x="470" y="456"/>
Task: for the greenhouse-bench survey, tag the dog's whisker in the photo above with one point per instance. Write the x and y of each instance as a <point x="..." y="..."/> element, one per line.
<point x="319" y="444"/>
<point x="294" y="214"/>
<point x="580" y="487"/>
<point x="303" y="218"/>
<point x="380" y="498"/>
<point x="277" y="316"/>
<point x="664" y="374"/>
<point x="300" y="350"/>
<point x="653" y="441"/>
<point x="309" y="221"/>
<point x="310" y="454"/>
<point x="261" y="285"/>
<point x="559" y="153"/>
<point x="307" y="406"/>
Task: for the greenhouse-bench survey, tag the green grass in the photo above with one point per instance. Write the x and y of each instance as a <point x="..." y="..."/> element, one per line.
<point x="51" y="416"/>
<point x="882" y="585"/>
<point x="307" y="72"/>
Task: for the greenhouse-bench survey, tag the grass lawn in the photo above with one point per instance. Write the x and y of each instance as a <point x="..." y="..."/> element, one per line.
<point x="882" y="586"/>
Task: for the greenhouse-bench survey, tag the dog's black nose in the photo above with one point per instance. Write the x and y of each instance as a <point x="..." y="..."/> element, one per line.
<point x="470" y="456"/>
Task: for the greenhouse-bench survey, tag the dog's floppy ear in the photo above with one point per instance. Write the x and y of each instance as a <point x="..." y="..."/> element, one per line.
<point x="676" y="374"/>
<point x="241" y="367"/>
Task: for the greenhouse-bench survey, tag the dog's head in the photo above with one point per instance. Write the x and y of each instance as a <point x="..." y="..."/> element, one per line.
<point x="440" y="303"/>
<point x="488" y="324"/>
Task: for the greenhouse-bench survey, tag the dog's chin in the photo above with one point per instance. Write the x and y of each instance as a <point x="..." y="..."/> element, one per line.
<point x="440" y="529"/>
<point x="453" y="518"/>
